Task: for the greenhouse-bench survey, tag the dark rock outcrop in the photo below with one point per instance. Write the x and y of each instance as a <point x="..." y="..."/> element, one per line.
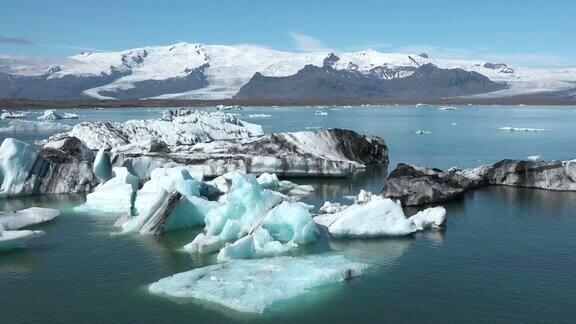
<point x="420" y="186"/>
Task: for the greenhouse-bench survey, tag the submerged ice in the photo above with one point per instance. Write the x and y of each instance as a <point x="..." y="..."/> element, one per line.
<point x="253" y="285"/>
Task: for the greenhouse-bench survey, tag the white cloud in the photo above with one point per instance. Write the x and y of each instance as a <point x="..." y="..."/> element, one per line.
<point x="307" y="43"/>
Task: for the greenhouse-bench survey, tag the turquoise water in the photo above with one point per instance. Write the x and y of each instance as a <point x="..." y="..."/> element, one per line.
<point x="507" y="254"/>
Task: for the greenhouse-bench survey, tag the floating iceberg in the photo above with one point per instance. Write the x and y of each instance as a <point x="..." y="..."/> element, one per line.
<point x="259" y="116"/>
<point x="253" y="285"/>
<point x="258" y="222"/>
<point x="523" y="129"/>
<point x="16" y="239"/>
<point x="421" y="132"/>
<point x="534" y="158"/>
<point x="175" y="130"/>
<point x="379" y="217"/>
<point x="168" y="201"/>
<point x="51" y="114"/>
<point x="321" y="113"/>
<point x="13" y="114"/>
<point x="16" y="160"/>
<point x="115" y="195"/>
<point x="33" y="126"/>
<point x="283" y="229"/>
<point x="27" y="217"/>
<point x="447" y="108"/>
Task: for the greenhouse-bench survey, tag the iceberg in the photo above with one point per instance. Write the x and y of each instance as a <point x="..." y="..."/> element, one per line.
<point x="170" y="200"/>
<point x="13" y="114"/>
<point x="51" y="114"/>
<point x="258" y="222"/>
<point x="33" y="126"/>
<point x="27" y="217"/>
<point x="253" y="285"/>
<point x="430" y="218"/>
<point x="102" y="168"/>
<point x="16" y="160"/>
<point x="523" y="129"/>
<point x="534" y="158"/>
<point x="115" y="195"/>
<point x="16" y="239"/>
<point x="379" y="217"/>
<point x="176" y="129"/>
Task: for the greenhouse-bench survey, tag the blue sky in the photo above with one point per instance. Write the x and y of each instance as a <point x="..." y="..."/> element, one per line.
<point x="528" y="32"/>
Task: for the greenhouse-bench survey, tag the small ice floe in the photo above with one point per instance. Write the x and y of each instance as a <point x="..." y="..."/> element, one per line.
<point x="259" y="116"/>
<point x="222" y="107"/>
<point x="51" y="114"/>
<point x="27" y="217"/>
<point x="33" y="126"/>
<point x="447" y="108"/>
<point x="252" y="285"/>
<point x="454" y="124"/>
<point x="16" y="239"/>
<point x="13" y="114"/>
<point x="535" y="158"/>
<point x="421" y="132"/>
<point x="334" y="109"/>
<point x="321" y="113"/>
<point x="523" y="129"/>
<point x="313" y="127"/>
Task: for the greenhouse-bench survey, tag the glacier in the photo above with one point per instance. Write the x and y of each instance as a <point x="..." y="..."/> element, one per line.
<point x="254" y="285"/>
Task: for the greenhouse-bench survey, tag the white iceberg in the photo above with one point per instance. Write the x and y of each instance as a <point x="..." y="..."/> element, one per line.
<point x="523" y="129"/>
<point x="535" y="158"/>
<point x="52" y="114"/>
<point x="13" y="114"/>
<point x="189" y="129"/>
<point x="33" y="126"/>
<point x="253" y="285"/>
<point x="115" y="195"/>
<point x="16" y="239"/>
<point x="378" y="217"/>
<point x="27" y="217"/>
<point x="259" y="116"/>
<point x="430" y="218"/>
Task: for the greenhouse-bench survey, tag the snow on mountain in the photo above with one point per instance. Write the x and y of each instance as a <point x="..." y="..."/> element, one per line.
<point x="225" y="69"/>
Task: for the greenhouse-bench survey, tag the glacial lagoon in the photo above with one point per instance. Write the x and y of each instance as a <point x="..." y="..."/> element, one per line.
<point x="506" y="255"/>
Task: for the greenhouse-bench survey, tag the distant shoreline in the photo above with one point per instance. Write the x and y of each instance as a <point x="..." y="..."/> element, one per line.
<point x="92" y="103"/>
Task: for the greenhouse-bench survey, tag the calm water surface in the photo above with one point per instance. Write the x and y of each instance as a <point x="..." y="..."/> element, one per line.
<point x="507" y="254"/>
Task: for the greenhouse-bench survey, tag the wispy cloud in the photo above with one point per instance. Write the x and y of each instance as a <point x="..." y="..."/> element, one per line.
<point x="15" y="40"/>
<point x="307" y="43"/>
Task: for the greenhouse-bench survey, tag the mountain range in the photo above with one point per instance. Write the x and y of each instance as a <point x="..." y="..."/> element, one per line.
<point x="249" y="72"/>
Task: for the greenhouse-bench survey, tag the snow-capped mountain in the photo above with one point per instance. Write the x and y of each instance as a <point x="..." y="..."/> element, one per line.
<point x="197" y="71"/>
